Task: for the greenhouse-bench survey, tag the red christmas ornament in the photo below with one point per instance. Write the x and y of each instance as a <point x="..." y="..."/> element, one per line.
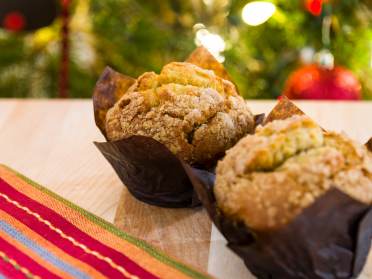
<point x="27" y="15"/>
<point x="14" y="21"/>
<point x="317" y="83"/>
<point x="314" y="6"/>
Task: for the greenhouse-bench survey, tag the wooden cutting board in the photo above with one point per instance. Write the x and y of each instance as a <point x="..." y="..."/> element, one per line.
<point x="182" y="233"/>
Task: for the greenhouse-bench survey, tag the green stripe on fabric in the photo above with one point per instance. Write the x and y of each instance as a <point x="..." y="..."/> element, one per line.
<point x="111" y="228"/>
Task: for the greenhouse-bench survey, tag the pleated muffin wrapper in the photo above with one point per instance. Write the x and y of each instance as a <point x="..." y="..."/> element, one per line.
<point x="330" y="239"/>
<point x="149" y="170"/>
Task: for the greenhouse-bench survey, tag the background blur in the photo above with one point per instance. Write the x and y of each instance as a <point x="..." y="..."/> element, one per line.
<point x="138" y="36"/>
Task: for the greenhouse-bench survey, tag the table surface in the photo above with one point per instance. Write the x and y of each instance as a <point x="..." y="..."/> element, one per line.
<point x="50" y="141"/>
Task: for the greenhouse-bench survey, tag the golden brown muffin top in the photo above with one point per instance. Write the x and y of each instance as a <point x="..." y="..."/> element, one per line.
<point x="266" y="179"/>
<point x="195" y="113"/>
<point x="181" y="73"/>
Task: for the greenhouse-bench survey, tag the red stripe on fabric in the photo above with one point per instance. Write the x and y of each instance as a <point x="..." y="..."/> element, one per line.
<point x="25" y="261"/>
<point x="53" y="237"/>
<point x="69" y="229"/>
<point x="8" y="271"/>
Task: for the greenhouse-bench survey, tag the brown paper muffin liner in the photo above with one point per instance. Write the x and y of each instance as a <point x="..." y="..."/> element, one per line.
<point x="110" y="87"/>
<point x="151" y="172"/>
<point x="330" y="239"/>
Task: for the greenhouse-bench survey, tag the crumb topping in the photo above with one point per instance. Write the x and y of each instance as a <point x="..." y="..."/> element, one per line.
<point x="268" y="178"/>
<point x="195" y="113"/>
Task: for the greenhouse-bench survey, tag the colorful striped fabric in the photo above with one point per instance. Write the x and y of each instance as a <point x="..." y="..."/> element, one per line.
<point x="44" y="236"/>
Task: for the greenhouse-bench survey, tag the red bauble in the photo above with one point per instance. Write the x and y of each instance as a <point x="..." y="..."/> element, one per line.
<point x="316" y="83"/>
<point x="314" y="6"/>
<point x="27" y="15"/>
<point x="14" y="21"/>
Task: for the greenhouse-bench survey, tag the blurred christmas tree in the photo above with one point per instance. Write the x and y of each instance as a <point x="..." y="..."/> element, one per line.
<point x="30" y="61"/>
<point x="137" y="36"/>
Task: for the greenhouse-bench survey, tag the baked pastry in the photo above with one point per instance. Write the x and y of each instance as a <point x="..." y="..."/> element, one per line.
<point x="193" y="112"/>
<point x="268" y="178"/>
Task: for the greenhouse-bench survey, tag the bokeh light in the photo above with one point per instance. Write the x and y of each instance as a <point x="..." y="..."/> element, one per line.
<point x="211" y="41"/>
<point x="257" y="12"/>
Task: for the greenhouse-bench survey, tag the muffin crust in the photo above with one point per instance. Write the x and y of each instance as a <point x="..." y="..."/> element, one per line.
<point x="268" y="178"/>
<point x="195" y="113"/>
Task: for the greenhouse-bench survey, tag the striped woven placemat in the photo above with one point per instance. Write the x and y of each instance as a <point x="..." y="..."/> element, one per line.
<point x="45" y="236"/>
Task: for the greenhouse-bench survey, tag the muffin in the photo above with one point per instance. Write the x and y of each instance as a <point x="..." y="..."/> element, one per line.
<point x="268" y="178"/>
<point x="194" y="113"/>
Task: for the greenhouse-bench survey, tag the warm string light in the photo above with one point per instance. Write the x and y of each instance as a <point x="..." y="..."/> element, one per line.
<point x="257" y="12"/>
<point x="253" y="13"/>
<point x="211" y="41"/>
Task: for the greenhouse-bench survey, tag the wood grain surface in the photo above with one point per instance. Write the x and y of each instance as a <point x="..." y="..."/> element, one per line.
<point x="50" y="141"/>
<point x="182" y="233"/>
